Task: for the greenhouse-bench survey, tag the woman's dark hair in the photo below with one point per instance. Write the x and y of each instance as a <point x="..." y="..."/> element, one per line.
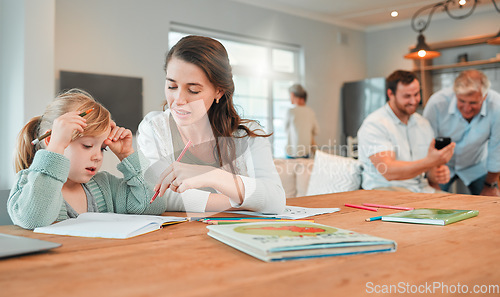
<point x="211" y="56"/>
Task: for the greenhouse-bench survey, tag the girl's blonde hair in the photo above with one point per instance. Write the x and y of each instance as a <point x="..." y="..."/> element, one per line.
<point x="98" y="121"/>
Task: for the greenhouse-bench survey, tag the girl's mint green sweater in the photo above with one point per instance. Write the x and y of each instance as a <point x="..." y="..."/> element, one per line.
<point x="36" y="199"/>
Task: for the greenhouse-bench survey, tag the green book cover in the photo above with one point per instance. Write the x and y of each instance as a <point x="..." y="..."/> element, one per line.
<point x="431" y="216"/>
<point x="279" y="241"/>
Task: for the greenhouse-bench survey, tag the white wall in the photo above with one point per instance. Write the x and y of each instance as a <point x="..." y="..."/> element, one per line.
<point x="11" y="78"/>
<point x="26" y="71"/>
<point x="385" y="48"/>
<point x="129" y="37"/>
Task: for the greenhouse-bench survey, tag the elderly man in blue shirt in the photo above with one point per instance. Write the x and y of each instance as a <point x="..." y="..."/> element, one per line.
<point x="469" y="113"/>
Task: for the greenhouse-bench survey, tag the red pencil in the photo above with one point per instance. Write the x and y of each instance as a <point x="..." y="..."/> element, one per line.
<point x="188" y="144"/>
<point x="361" y="207"/>
<point x="388" y="206"/>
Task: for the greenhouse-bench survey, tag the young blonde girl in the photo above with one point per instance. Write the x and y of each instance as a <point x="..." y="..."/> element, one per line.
<point x="59" y="177"/>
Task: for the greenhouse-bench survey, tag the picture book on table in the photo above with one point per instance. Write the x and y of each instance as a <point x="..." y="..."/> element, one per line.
<point x="431" y="216"/>
<point x="280" y="241"/>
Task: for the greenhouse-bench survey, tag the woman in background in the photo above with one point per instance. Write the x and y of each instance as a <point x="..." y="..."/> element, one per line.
<point x="230" y="163"/>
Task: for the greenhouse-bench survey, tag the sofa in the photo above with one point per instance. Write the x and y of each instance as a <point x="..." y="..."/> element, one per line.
<point x="324" y="174"/>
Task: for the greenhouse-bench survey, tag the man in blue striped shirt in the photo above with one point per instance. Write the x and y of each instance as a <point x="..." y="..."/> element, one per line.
<point x="469" y="113"/>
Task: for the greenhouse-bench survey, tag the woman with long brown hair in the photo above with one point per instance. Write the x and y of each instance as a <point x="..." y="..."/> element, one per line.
<point x="229" y="164"/>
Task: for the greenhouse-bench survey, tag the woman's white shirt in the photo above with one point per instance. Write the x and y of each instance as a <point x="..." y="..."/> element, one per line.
<point x="254" y="164"/>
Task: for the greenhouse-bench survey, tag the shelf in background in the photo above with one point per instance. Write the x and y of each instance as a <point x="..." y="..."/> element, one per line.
<point x="426" y="70"/>
<point x="459" y="65"/>
<point x="461" y="42"/>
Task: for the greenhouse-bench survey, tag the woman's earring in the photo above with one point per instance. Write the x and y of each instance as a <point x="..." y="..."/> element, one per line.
<point x="217" y="100"/>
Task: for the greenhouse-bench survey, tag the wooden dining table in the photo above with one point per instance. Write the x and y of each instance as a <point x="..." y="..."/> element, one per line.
<point x="182" y="260"/>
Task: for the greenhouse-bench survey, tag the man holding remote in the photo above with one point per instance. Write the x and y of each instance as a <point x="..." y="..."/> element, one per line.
<point x="396" y="145"/>
<point x="469" y="113"/>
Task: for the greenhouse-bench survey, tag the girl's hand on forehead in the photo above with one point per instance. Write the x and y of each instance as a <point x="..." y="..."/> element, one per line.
<point x="63" y="130"/>
<point x="119" y="141"/>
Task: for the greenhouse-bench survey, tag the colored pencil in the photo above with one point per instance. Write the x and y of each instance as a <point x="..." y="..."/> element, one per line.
<point x="230" y="218"/>
<point x="223" y="218"/>
<point x="48" y="133"/>
<point x="388" y="206"/>
<point x="245" y="222"/>
<point x="361" y="207"/>
<point x="188" y="144"/>
<point x="253" y="220"/>
<point x="373" y="219"/>
<point x="191" y="219"/>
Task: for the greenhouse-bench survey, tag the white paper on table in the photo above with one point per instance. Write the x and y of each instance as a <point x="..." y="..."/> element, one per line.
<point x="291" y="212"/>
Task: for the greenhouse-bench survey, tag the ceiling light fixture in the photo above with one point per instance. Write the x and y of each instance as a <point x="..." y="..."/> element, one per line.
<point x="394" y="13"/>
<point x="422" y="50"/>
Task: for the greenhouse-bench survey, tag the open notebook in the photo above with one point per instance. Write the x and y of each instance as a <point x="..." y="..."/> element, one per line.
<point x="109" y="225"/>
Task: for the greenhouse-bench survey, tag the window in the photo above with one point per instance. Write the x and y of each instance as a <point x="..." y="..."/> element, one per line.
<point x="262" y="74"/>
